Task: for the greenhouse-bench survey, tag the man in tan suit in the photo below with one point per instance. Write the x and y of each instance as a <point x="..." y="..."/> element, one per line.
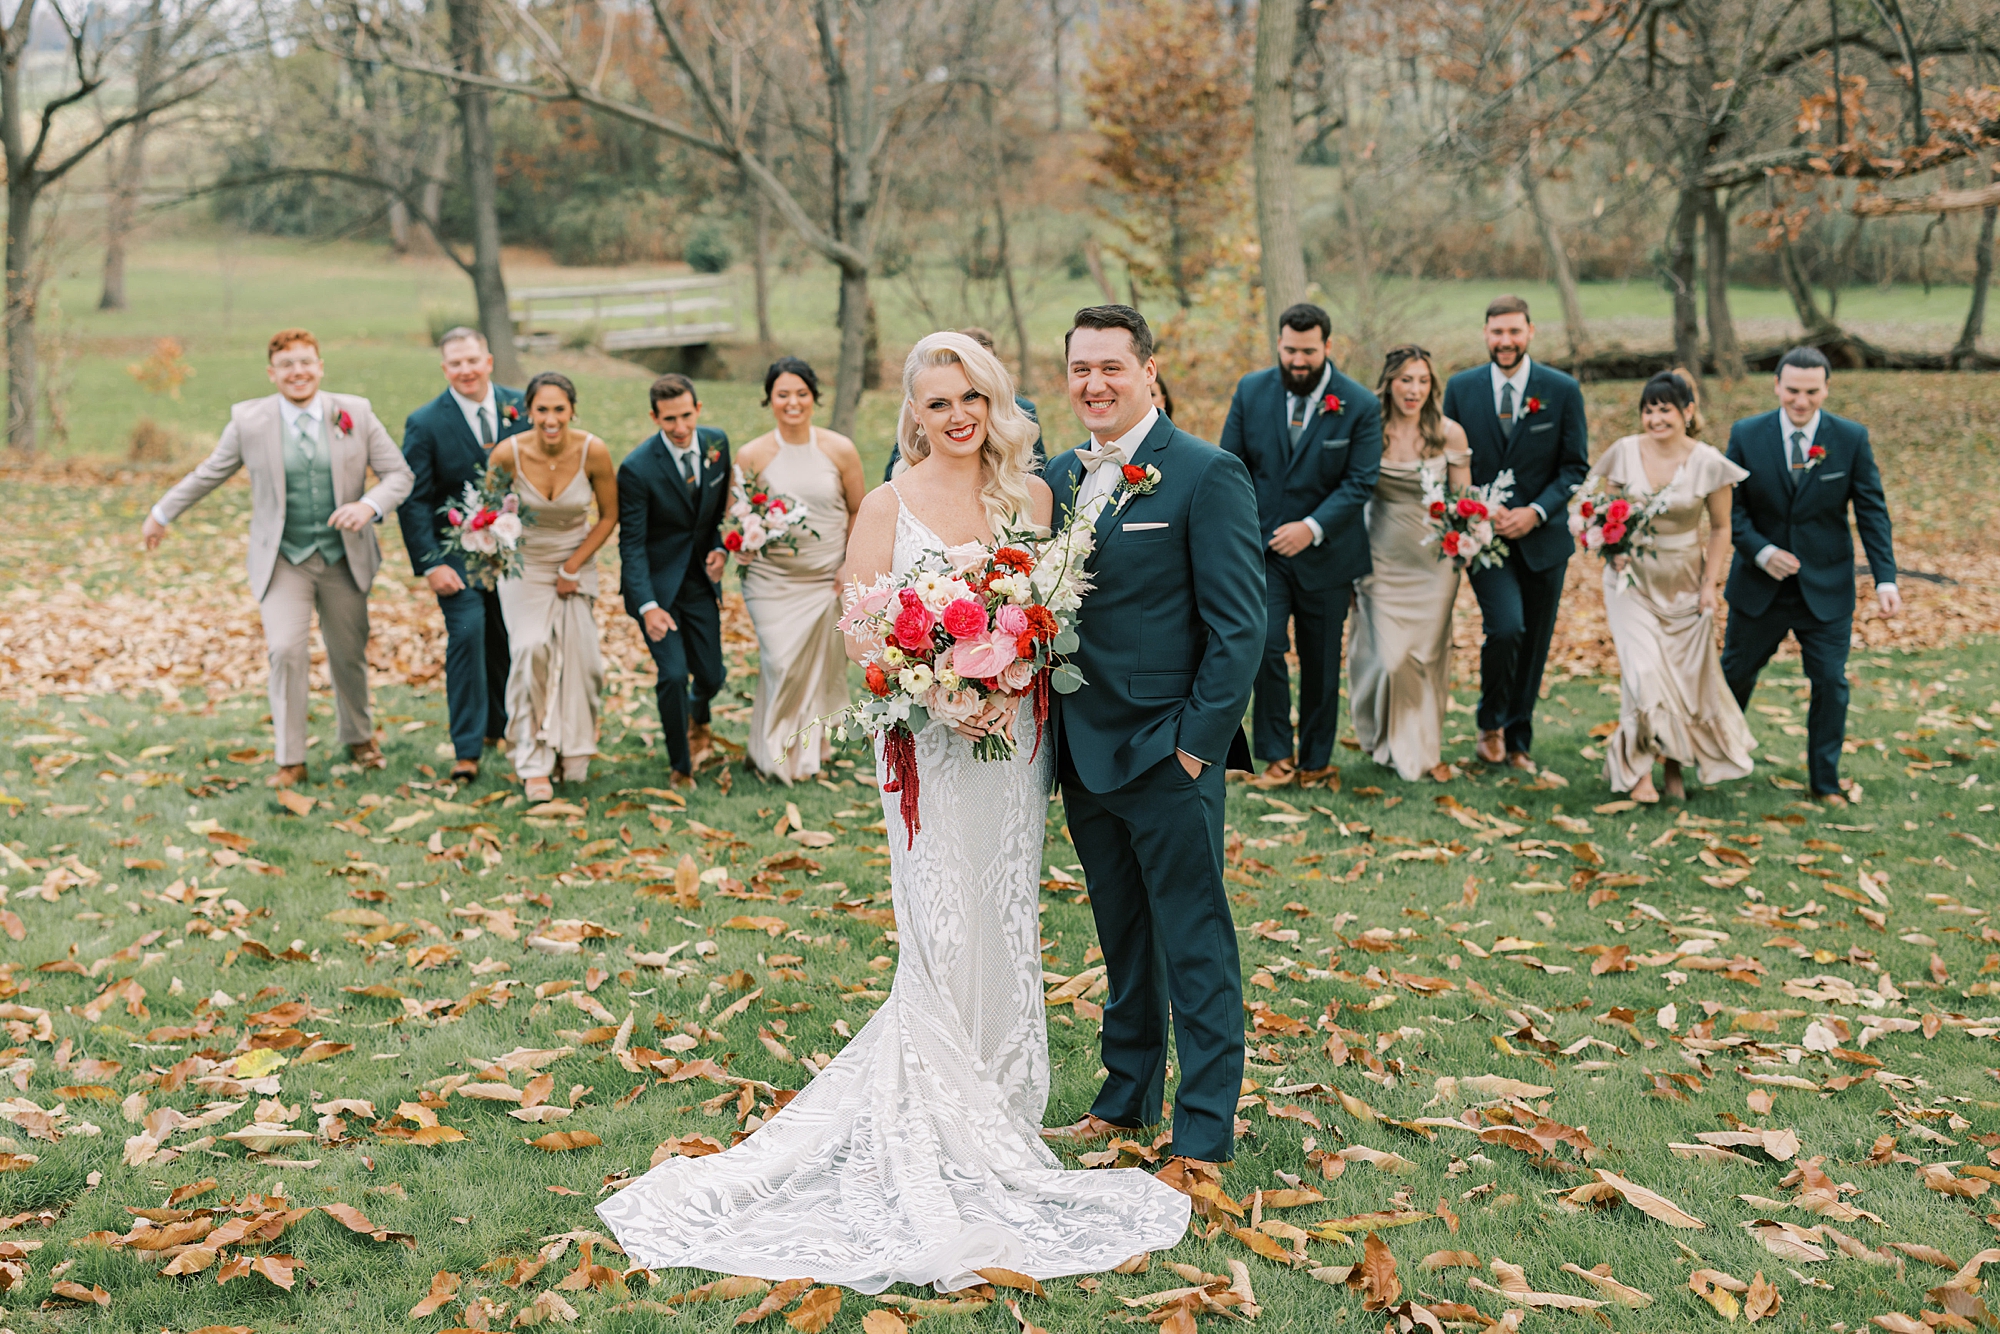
<point x="312" y="538"/>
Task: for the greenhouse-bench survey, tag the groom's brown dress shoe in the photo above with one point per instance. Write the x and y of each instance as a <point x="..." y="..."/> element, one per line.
<point x="288" y="775"/>
<point x="1519" y="760"/>
<point x="1492" y="747"/>
<point x="465" y="771"/>
<point x="1088" y="1130"/>
<point x="1276" y="774"/>
<point x="368" y="755"/>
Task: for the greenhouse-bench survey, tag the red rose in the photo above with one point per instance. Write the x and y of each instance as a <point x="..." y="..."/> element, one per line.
<point x="1614" y="533"/>
<point x="1134" y="474"/>
<point x="1816" y="453"/>
<point x="732" y="541"/>
<point x="1586" y="509"/>
<point x="913" y="623"/>
<point x="777" y="507"/>
<point x="345" y="422"/>
<point x="1532" y="406"/>
<point x="878" y="680"/>
<point x="1617" y="512"/>
<point x="1330" y="403"/>
<point x="513" y="413"/>
<point x="759" y="498"/>
<point x="964" y="619"/>
<point x="1437" y="509"/>
<point x="484" y="519"/>
<point x="1450" y="544"/>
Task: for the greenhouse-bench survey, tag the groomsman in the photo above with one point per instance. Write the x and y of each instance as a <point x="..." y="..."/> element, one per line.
<point x="1027" y="405"/>
<point x="1523" y="417"/>
<point x="672" y="491"/>
<point x="447" y="442"/>
<point x="312" y="536"/>
<point x="1794" y="566"/>
<point x="1312" y="440"/>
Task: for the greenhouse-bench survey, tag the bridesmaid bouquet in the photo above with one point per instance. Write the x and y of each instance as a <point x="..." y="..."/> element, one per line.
<point x="485" y="530"/>
<point x="761" y="518"/>
<point x="1612" y="526"/>
<point x="958" y="629"/>
<point x="1462" y="521"/>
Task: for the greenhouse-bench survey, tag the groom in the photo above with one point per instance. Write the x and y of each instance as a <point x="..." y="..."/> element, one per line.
<point x="1521" y="417"/>
<point x="1794" y="567"/>
<point x="1171" y="636"/>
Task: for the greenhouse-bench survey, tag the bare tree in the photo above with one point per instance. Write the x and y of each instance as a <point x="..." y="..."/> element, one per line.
<point x="1274" y="153"/>
<point x="126" y="169"/>
<point x="469" y="55"/>
<point x="41" y="147"/>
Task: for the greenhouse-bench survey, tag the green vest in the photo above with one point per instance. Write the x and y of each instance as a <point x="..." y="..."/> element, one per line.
<point x="308" y="500"/>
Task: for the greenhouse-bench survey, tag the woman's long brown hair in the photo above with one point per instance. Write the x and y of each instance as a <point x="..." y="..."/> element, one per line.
<point x="1430" y="417"/>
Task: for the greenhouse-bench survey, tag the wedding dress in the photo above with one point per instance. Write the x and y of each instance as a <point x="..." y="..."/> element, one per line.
<point x="915" y="1157"/>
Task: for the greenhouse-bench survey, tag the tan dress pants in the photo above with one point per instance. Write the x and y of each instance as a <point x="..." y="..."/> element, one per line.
<point x="289" y="602"/>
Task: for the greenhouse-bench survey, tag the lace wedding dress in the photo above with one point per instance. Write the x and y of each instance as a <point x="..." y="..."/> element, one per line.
<point x="915" y="1156"/>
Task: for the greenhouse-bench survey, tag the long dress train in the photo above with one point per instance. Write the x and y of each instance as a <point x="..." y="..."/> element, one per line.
<point x="1399" y="666"/>
<point x="915" y="1157"/>
<point x="1673" y="701"/>
<point x="794" y="601"/>
<point x="557" y="675"/>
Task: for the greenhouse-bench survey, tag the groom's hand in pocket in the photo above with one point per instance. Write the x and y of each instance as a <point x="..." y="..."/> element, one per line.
<point x="658" y="623"/>
<point x="1190" y="763"/>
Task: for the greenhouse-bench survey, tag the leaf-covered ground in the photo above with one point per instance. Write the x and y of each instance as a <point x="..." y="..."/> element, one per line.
<point x="1481" y="1016"/>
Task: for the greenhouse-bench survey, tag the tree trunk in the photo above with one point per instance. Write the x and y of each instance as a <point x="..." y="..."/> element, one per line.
<point x="20" y="315"/>
<point x="431" y="200"/>
<point x="1982" y="280"/>
<point x="1722" y="344"/>
<point x="1274" y="151"/>
<point x="855" y="304"/>
<point x="488" y="285"/>
<point x="1580" y="345"/>
<point x="761" y="267"/>
<point x="1681" y="280"/>
<point x="399" y="225"/>
<point x="127" y="173"/>
<point x="1818" y="326"/>
<point x="1058" y="21"/>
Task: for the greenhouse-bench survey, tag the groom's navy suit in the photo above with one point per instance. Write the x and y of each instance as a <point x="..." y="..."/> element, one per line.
<point x="1807" y="516"/>
<point x="666" y="530"/>
<point x="1328" y="475"/>
<point x="1547" y="446"/>
<point x="444" y="455"/>
<point x="1169" y="643"/>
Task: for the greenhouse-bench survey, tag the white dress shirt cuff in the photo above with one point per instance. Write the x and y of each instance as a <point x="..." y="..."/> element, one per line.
<point x="649" y="606"/>
<point x="1544" y="514"/>
<point x="1891" y="586"/>
<point x="370" y="503"/>
<point x="158" y="517"/>
<point x="1319" y="535"/>
<point x="1763" y="558"/>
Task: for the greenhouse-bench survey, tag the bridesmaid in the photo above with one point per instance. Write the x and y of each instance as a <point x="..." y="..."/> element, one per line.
<point x="1400" y="663"/>
<point x="1674" y="705"/>
<point x="558" y="665"/>
<point x="794" y="597"/>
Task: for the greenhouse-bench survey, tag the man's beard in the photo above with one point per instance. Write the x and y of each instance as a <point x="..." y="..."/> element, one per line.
<point x="1303" y="384"/>
<point x="1494" y="355"/>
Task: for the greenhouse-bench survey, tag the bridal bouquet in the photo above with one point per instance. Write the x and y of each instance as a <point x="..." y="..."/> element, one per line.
<point x="1462" y="521"/>
<point x="1611" y="526"/>
<point x="959" y="628"/>
<point x="761" y="518"/>
<point x="486" y="527"/>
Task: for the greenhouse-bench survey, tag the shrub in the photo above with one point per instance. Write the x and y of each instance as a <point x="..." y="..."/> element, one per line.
<point x="708" y="249"/>
<point x="625" y="228"/>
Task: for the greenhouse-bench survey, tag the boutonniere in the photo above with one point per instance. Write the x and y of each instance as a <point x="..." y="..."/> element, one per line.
<point x="1331" y="403"/>
<point x="1139" y="479"/>
<point x="343" y="422"/>
<point x="511" y="413"/>
<point x="1815" y="455"/>
<point x="1530" y="406"/>
<point x="715" y="454"/>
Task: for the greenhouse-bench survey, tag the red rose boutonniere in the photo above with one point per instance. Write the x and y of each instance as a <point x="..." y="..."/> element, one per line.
<point x="512" y="413"/>
<point x="1331" y="403"/>
<point x="715" y="455"/>
<point x="1815" y="455"/>
<point x="1138" y="479"/>
<point x="344" y="422"/>
<point x="1530" y="406"/>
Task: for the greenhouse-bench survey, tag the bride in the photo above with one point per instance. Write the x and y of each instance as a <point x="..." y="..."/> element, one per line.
<point x="916" y="1156"/>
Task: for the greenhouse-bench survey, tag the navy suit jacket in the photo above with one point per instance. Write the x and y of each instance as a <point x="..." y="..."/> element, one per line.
<point x="444" y="455"/>
<point x="1811" y="522"/>
<point x="1548" y="450"/>
<point x="1171" y="635"/>
<point x="665" y="526"/>
<point x="1329" y="476"/>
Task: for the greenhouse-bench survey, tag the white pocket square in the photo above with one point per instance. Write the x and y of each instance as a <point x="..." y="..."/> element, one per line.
<point x="1142" y="527"/>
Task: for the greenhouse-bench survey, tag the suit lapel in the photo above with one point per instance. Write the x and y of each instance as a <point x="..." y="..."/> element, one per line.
<point x="1781" y="458"/>
<point x="1107" y="518"/>
<point x="670" y="475"/>
<point x="1511" y="434"/>
<point x="1319" y="424"/>
<point x="1486" y="416"/>
<point x="343" y="455"/>
<point x="272" y="431"/>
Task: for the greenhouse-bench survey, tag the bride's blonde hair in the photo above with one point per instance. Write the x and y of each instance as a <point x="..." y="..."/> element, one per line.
<point x="1009" y="447"/>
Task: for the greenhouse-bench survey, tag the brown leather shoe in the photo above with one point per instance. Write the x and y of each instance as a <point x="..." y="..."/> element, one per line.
<point x="1309" y="777"/>
<point x="368" y="755"/>
<point x="1492" y="747"/>
<point x="700" y="739"/>
<point x="680" y="781"/>
<point x="1089" y="1130"/>
<point x="1518" y="759"/>
<point x="288" y="775"/>
<point x="1443" y="773"/>
<point x="465" y="771"/>
<point x="1278" y="773"/>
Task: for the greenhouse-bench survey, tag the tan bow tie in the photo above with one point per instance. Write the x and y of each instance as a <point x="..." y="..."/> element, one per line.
<point x="1094" y="457"/>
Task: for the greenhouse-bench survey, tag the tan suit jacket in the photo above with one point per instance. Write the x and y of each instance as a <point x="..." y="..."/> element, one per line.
<point x="254" y="439"/>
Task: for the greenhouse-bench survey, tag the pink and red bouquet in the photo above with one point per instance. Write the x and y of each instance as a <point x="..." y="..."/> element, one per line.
<point x="759" y="517"/>
<point x="485" y="528"/>
<point x="1610" y="525"/>
<point x="1462" y="521"/>
<point x="963" y="627"/>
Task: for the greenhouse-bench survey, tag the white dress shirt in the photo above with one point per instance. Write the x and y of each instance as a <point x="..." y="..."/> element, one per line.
<point x="1312" y="405"/>
<point x="471" y="408"/>
<point x="679" y="455"/>
<point x="1098" y="485"/>
<point x="290" y="414"/>
<point x="1519" y="379"/>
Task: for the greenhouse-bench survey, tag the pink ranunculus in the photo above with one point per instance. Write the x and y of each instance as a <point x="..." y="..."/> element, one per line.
<point x="1011" y="619"/>
<point x="964" y="619"/>
<point x="913" y="623"/>
<point x="1617" y="511"/>
<point x="1614" y="533"/>
<point x="986" y="656"/>
<point x="1017" y="676"/>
